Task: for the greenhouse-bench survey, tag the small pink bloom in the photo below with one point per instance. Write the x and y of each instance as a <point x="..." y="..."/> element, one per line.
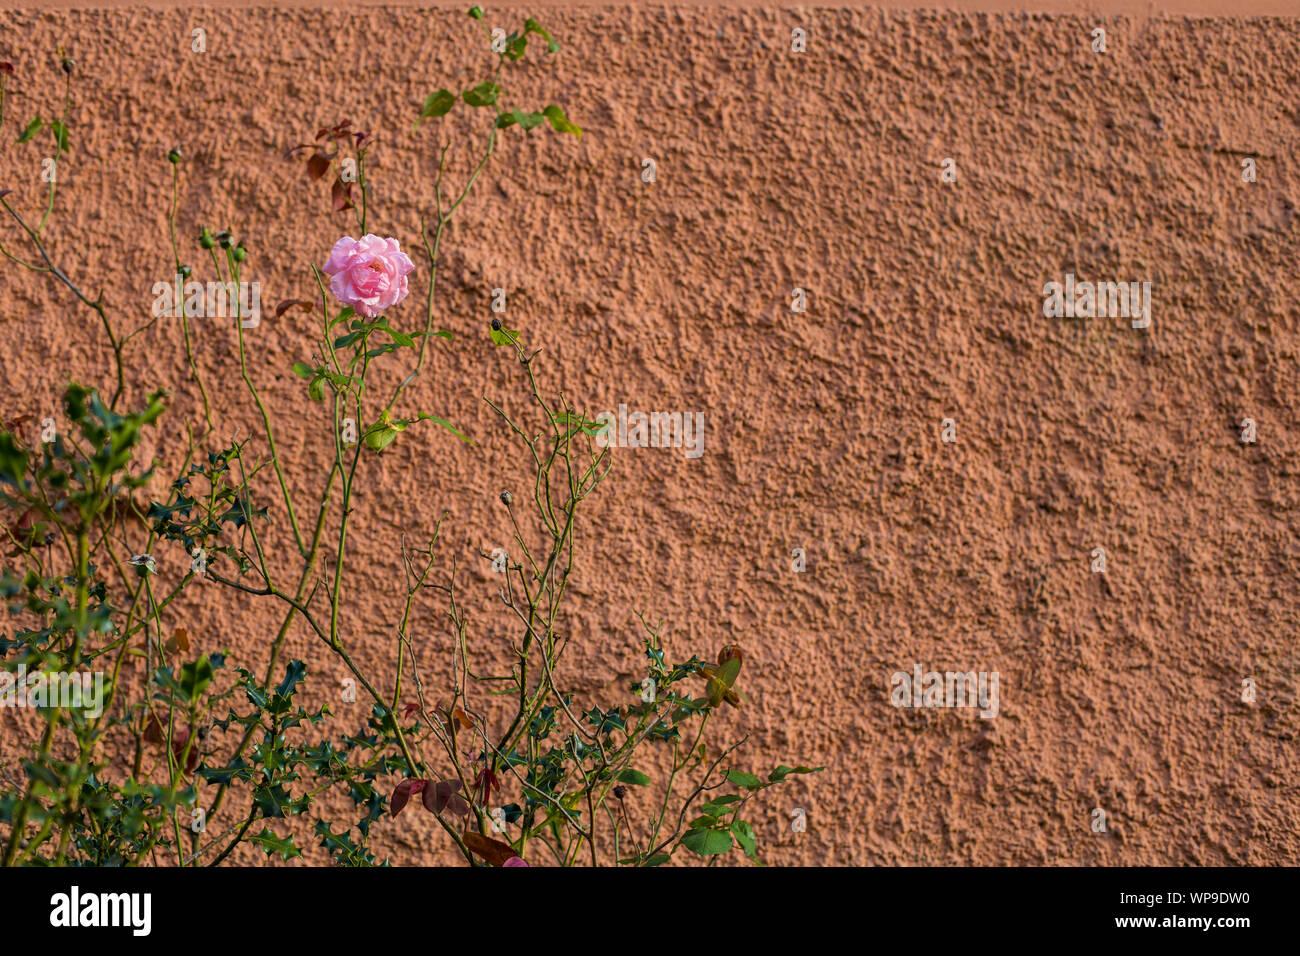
<point x="368" y="274"/>
<point x="515" y="861"/>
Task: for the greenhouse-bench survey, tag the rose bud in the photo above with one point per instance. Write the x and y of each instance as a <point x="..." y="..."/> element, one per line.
<point x="729" y="652"/>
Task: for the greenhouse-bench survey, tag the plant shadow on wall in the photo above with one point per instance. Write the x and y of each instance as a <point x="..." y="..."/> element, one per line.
<point x="211" y="754"/>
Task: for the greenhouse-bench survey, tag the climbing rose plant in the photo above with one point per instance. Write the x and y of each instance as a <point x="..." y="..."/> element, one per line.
<point x="179" y="753"/>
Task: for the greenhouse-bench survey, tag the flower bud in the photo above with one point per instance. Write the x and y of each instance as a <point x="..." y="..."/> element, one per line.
<point x="507" y="498"/>
<point x="730" y="652"/>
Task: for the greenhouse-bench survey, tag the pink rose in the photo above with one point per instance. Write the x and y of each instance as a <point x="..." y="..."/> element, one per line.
<point x="368" y="274"/>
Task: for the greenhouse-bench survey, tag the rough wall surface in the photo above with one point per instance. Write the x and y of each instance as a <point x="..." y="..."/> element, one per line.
<point x="777" y="171"/>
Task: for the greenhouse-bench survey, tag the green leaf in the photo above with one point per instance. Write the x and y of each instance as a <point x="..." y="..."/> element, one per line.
<point x="657" y="859"/>
<point x="532" y="26"/>
<point x="525" y="120"/>
<point x="437" y="103"/>
<point x="399" y="338"/>
<point x="316" y="389"/>
<point x="515" y="46"/>
<point x="717" y="808"/>
<point x="32" y="129"/>
<point x="746" y="780"/>
<point x="560" y="123"/>
<point x="423" y="417"/>
<point x="635" y="777"/>
<point x="504" y="336"/>
<point x="195" y="678"/>
<point x="744" y="834"/>
<point x="303" y="370"/>
<point x="729" y="671"/>
<point x="379" y="437"/>
<point x="485" y="94"/>
<point x="781" y="772"/>
<point x="293" y="676"/>
<point x="13" y="460"/>
<point x="707" y="842"/>
<point x="273" y="844"/>
<point x="60" y="136"/>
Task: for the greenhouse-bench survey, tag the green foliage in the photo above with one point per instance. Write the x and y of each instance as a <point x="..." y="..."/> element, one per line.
<point x="437" y="103"/>
<point x="31" y="129"/>
<point x="559" y="122"/>
<point x="485" y="94"/>
<point x="489" y="92"/>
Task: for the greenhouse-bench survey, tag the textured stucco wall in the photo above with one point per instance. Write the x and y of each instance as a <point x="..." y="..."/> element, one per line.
<point x="777" y="171"/>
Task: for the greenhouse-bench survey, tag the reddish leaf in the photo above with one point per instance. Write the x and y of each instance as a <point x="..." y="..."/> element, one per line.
<point x="7" y="68"/>
<point x="454" y="716"/>
<point x="179" y="641"/>
<point x="341" y="129"/>
<point x="443" y="795"/>
<point x="288" y="304"/>
<point x="485" y="783"/>
<point x="342" y="195"/>
<point x="153" y="731"/>
<point x="180" y="738"/>
<point x="410" y="709"/>
<point x="318" y="166"/>
<point x="402" y="793"/>
<point x="494" y="851"/>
